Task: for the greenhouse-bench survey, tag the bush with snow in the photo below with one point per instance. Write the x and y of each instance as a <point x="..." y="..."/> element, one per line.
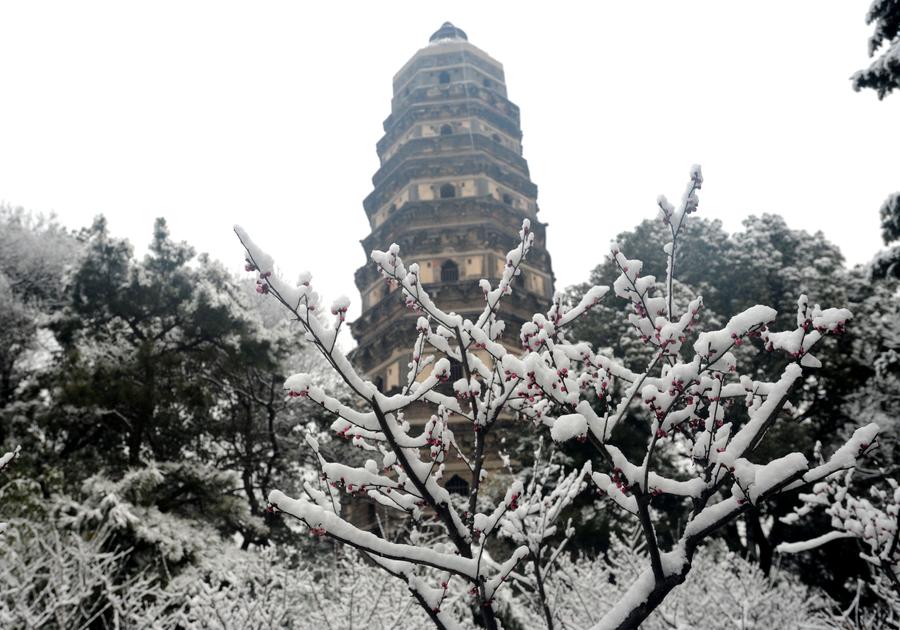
<point x="56" y="578"/>
<point x="275" y="588"/>
<point x="722" y="591"/>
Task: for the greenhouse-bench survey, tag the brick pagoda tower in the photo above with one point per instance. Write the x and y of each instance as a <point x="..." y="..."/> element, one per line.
<point x="452" y="191"/>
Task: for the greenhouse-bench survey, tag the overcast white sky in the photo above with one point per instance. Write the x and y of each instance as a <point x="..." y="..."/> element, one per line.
<point x="267" y="114"/>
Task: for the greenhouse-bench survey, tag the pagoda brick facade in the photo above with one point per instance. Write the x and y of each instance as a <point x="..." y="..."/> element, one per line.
<point x="452" y="191"/>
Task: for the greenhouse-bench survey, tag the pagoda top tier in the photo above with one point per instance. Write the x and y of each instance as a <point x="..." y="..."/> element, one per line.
<point x="448" y="31"/>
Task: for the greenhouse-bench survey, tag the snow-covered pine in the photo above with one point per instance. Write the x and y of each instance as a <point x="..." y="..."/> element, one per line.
<point x="574" y="391"/>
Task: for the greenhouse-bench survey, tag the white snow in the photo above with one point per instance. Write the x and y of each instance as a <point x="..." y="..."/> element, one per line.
<point x="812" y="543"/>
<point x="573" y="425"/>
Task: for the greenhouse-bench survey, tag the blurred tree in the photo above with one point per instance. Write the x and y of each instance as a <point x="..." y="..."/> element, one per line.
<point x="35" y="254"/>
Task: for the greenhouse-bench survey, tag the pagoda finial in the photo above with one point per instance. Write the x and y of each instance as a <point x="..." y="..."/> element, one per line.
<point x="448" y="31"/>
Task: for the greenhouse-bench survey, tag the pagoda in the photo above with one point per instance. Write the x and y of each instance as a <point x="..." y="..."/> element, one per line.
<point x="452" y="191"/>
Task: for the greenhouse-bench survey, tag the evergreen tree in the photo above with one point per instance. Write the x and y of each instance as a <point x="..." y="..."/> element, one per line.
<point x="883" y="74"/>
<point x="149" y="377"/>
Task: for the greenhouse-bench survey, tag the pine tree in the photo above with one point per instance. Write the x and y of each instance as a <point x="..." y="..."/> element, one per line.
<point x="883" y="75"/>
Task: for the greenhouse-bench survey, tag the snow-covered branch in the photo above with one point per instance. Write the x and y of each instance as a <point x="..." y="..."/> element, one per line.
<point x="406" y="467"/>
<point x="686" y="391"/>
<point x="874" y="520"/>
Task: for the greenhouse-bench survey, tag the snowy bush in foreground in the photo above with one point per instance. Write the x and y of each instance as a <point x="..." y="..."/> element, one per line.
<point x="549" y="491"/>
<point x="686" y="390"/>
<point x="250" y="590"/>
<point x="722" y="591"/>
<point x="52" y="578"/>
<point x="57" y="578"/>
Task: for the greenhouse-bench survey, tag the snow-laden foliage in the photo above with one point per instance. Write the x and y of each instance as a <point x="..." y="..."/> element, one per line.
<point x="57" y="578"/>
<point x="271" y="589"/>
<point x="890" y="218"/>
<point x="885" y="263"/>
<point x="687" y="392"/>
<point x="35" y="255"/>
<point x="874" y="521"/>
<point x="875" y="348"/>
<point x="723" y="591"/>
<point x="52" y="578"/>
<point x="158" y="361"/>
<point x="154" y="510"/>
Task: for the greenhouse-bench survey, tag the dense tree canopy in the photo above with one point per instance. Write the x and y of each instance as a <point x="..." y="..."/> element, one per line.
<point x="883" y="74"/>
<point x="113" y="364"/>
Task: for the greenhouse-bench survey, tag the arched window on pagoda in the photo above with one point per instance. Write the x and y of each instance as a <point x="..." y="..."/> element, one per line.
<point x="444" y="77"/>
<point x="446" y="130"/>
<point x="457" y="485"/>
<point x="449" y="272"/>
<point x="448" y="191"/>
